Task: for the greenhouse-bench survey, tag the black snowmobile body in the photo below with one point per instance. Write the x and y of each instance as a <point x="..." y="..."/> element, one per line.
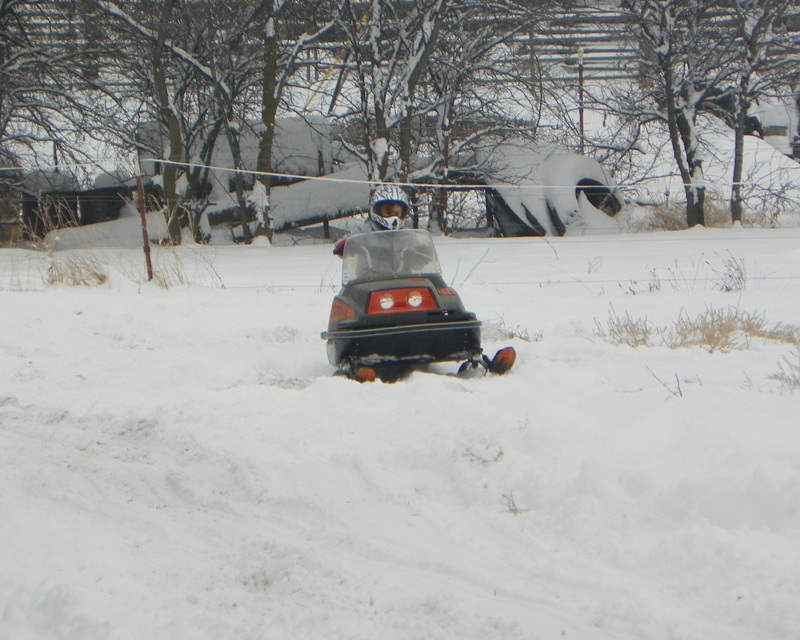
<point x="394" y="307"/>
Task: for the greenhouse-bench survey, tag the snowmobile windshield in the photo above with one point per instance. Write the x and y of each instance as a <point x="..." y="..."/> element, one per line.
<point x="381" y="255"/>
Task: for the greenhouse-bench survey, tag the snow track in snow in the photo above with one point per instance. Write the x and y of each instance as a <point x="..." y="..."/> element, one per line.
<point x="183" y="463"/>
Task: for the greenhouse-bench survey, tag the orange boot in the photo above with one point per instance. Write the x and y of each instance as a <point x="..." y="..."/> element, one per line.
<point x="364" y="374"/>
<point x="503" y="360"/>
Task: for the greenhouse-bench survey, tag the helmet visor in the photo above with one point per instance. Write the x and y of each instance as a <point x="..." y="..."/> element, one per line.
<point x="390" y="210"/>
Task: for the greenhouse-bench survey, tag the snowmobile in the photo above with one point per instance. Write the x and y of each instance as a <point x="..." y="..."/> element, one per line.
<point x="395" y="313"/>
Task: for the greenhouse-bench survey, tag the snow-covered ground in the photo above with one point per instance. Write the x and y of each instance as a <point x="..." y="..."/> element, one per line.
<point x="180" y="463"/>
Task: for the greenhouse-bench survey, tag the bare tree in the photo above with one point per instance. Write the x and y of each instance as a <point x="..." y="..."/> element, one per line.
<point x="429" y="80"/>
<point x="199" y="83"/>
<point x="233" y="52"/>
<point x="290" y="30"/>
<point x="41" y="118"/>
<point x="480" y="89"/>
<point x="388" y="48"/>
<point x="765" y="49"/>
<point x="419" y="86"/>
<point x="686" y="57"/>
<point x="146" y="41"/>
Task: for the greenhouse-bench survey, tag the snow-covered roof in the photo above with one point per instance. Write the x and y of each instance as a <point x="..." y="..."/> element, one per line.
<point x="302" y="146"/>
<point x="336" y="195"/>
<point x="536" y="177"/>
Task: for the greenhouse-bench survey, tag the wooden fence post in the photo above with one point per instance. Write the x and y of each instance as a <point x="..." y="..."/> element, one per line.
<point x="145" y="237"/>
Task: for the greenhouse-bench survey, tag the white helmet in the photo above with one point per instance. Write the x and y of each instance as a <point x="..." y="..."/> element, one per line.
<point x="387" y="194"/>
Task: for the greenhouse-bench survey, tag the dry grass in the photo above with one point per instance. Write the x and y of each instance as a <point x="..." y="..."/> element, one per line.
<point x="503" y="331"/>
<point x="625" y="330"/>
<point x="789" y="371"/>
<point x="717" y="210"/>
<point x="672" y="216"/>
<point x="511" y="504"/>
<point x="77" y="270"/>
<point x="716" y="330"/>
<point x="662" y="217"/>
<point x="661" y="278"/>
<point x="83" y="268"/>
<point x="732" y="276"/>
<point x="168" y="269"/>
<point x="483" y="459"/>
<point x="725" y="329"/>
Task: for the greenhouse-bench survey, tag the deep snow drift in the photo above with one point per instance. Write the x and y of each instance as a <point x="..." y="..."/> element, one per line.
<point x="179" y="462"/>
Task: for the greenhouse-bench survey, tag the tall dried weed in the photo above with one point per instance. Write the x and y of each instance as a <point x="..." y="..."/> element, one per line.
<point x="626" y="330"/>
<point x="77" y="270"/>
<point x="789" y="371"/>
<point x="724" y="329"/>
<point x="671" y="216"/>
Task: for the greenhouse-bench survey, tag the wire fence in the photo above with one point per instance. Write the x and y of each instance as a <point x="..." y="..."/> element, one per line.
<point x="427" y="184"/>
<point x="465" y="215"/>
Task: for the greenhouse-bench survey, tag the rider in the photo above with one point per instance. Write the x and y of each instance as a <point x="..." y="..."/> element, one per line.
<point x="388" y="211"/>
<point x="388" y="208"/>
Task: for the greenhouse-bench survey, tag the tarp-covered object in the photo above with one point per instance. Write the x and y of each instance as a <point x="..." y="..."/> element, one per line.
<point x="532" y="190"/>
<point x="539" y="189"/>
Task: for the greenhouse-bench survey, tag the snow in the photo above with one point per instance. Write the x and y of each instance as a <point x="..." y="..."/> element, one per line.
<point x="343" y="192"/>
<point x="179" y="462"/>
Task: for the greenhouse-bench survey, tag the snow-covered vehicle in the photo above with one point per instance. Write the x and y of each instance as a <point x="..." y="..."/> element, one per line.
<point x="395" y="312"/>
<point x="542" y="190"/>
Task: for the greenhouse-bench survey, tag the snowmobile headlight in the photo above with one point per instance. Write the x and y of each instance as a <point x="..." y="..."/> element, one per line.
<point x="414" y="298"/>
<point x="401" y="300"/>
<point x="386" y="300"/>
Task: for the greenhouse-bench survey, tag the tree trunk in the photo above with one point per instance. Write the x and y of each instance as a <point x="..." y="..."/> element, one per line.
<point x="378" y="152"/>
<point x="172" y="123"/>
<point x="405" y="139"/>
<point x="379" y="147"/>
<point x="738" y="156"/>
<point x="695" y="186"/>
<point x="269" y="111"/>
<point x="695" y="199"/>
<point x="238" y="164"/>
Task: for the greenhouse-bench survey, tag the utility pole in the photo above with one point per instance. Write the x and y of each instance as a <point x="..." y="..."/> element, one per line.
<point x="145" y="236"/>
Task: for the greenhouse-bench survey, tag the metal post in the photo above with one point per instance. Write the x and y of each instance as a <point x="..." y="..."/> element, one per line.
<point x="145" y="237"/>
<point x="580" y="98"/>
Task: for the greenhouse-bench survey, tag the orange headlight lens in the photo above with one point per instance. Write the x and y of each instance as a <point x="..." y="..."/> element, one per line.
<point x="340" y="312"/>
